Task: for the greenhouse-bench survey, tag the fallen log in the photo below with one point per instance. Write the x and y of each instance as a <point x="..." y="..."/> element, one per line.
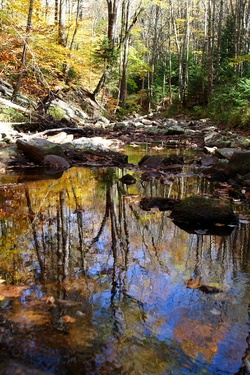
<point x="19" y="108"/>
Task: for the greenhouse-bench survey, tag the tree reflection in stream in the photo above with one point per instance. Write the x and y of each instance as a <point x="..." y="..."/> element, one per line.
<point x="105" y="282"/>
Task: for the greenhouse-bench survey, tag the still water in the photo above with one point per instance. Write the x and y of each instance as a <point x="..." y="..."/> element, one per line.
<point x="92" y="284"/>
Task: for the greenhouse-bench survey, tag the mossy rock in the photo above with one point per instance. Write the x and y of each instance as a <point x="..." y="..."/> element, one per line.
<point x="36" y="149"/>
<point x="202" y="212"/>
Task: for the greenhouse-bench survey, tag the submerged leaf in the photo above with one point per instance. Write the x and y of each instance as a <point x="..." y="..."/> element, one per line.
<point x="194" y="283"/>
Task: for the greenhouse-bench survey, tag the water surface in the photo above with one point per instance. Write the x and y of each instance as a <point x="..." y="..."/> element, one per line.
<point x="92" y="284"/>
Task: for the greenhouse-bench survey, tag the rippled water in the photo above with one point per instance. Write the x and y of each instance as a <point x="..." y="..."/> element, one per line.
<point x="92" y="284"/>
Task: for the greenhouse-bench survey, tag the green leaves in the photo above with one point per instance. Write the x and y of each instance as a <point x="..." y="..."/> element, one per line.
<point x="106" y="53"/>
<point x="230" y="103"/>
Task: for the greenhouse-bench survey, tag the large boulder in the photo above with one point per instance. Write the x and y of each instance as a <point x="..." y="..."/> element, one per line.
<point x="238" y="164"/>
<point x="225" y="140"/>
<point x="59" y="109"/>
<point x="202" y="212"/>
<point x="83" y="152"/>
<point x="36" y="149"/>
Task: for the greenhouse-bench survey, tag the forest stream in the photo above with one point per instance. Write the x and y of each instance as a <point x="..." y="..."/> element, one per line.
<point x="92" y="284"/>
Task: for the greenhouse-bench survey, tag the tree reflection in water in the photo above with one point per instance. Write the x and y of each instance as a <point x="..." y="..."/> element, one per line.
<point x="117" y="276"/>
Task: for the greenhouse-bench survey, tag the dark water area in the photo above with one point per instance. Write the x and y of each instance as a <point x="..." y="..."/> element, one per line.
<point x="92" y="284"/>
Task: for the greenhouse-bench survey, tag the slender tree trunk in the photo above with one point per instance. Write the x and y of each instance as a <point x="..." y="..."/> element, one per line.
<point x="46" y="10"/>
<point x="112" y="17"/>
<point x="76" y="24"/>
<point x="211" y="15"/>
<point x="113" y="6"/>
<point x="186" y="44"/>
<point x="124" y="53"/>
<point x="218" y="57"/>
<point x="123" y="82"/>
<point x="62" y="38"/>
<point x="25" y="49"/>
<point x="56" y="18"/>
<point x="170" y="64"/>
<point x="179" y="53"/>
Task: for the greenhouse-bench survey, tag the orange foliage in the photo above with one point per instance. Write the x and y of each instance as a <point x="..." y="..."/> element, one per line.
<point x="196" y="337"/>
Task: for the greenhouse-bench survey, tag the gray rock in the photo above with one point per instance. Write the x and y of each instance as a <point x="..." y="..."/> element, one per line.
<point x="238" y="164"/>
<point x="61" y="137"/>
<point x="175" y="130"/>
<point x="170" y="122"/>
<point x="36" y="149"/>
<point x="216" y="139"/>
<point x="146" y="121"/>
<point x="62" y="110"/>
<point x="225" y="153"/>
<point x="104" y="120"/>
<point x="55" y="162"/>
<point x="96" y="143"/>
<point x="227" y="140"/>
<point x="139" y="124"/>
<point x="120" y="125"/>
<point x="240" y="142"/>
<point x="210" y="129"/>
<point x="208" y="161"/>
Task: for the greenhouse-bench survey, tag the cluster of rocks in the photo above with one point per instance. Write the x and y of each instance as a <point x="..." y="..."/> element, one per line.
<point x="207" y="215"/>
<point x="179" y="132"/>
<point x="100" y="143"/>
<point x="223" y="156"/>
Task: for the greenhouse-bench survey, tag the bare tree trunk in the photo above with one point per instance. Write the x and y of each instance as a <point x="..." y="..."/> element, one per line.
<point x="218" y="57"/>
<point x="112" y="18"/>
<point x="179" y="53"/>
<point x="76" y="24"/>
<point x="113" y="6"/>
<point x="186" y="43"/>
<point x="124" y="53"/>
<point x="151" y="80"/>
<point x="25" y="49"/>
<point x="123" y="82"/>
<point x="62" y="38"/>
<point x="211" y="15"/>
<point x="56" y="18"/>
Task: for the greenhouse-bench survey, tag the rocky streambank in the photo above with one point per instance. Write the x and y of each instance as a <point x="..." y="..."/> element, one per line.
<point x="100" y="142"/>
<point x="220" y="156"/>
